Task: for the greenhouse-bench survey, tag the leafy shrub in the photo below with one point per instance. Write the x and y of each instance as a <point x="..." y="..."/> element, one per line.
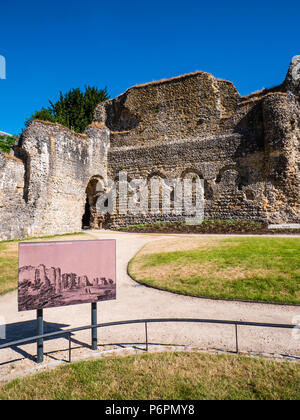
<point x="74" y="109"/>
<point x="6" y="142"/>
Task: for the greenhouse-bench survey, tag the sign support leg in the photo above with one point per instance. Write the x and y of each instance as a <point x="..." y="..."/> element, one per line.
<point x="40" y="331"/>
<point x="94" y="330"/>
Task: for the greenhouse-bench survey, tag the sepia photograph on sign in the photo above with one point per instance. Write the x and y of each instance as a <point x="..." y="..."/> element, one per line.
<point x="53" y="274"/>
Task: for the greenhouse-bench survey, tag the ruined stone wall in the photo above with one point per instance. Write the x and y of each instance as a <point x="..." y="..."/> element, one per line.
<point x="281" y="114"/>
<point x="231" y="165"/>
<point x="13" y="213"/>
<point x="43" y="192"/>
<point x="247" y="150"/>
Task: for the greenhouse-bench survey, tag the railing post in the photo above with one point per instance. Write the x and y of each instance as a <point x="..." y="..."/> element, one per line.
<point x="236" y="339"/>
<point x="40" y="331"/>
<point x="146" y="332"/>
<point x="94" y="330"/>
<point x="70" y="348"/>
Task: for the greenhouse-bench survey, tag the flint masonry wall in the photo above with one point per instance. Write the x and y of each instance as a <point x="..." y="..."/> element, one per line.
<point x="233" y="183"/>
<point x="245" y="148"/>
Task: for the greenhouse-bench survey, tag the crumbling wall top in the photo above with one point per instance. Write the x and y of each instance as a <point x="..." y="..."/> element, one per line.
<point x="182" y="108"/>
<point x="171" y="109"/>
<point x="292" y="81"/>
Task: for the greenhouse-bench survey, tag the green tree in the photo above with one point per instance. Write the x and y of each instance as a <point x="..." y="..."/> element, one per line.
<point x="6" y="142"/>
<point x="74" y="109"/>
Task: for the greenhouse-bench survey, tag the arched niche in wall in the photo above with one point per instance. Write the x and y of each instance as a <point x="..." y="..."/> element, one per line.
<point x="232" y="177"/>
<point x="190" y="173"/>
<point x="155" y="182"/>
<point x="195" y="176"/>
<point x="123" y="191"/>
<point x="95" y="188"/>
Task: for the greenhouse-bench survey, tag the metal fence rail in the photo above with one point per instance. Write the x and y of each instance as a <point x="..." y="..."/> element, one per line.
<point x="93" y="327"/>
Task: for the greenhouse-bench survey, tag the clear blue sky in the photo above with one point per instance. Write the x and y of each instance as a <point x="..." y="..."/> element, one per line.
<point x="58" y="45"/>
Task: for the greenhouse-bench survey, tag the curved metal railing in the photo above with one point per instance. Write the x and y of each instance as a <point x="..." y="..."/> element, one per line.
<point x="68" y="332"/>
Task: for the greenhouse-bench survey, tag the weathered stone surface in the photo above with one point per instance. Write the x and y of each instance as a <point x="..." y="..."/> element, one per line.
<point x="292" y="81"/>
<point x="175" y="109"/>
<point x="245" y="148"/>
<point x="43" y="191"/>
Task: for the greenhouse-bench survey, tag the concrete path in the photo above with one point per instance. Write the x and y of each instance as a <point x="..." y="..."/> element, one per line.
<point x="135" y="301"/>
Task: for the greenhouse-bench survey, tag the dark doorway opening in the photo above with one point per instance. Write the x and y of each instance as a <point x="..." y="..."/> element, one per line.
<point x="91" y="218"/>
<point x="86" y="218"/>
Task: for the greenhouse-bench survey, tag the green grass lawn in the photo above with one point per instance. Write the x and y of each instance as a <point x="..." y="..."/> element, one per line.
<point x="246" y="268"/>
<point x="8" y="268"/>
<point x="165" y="376"/>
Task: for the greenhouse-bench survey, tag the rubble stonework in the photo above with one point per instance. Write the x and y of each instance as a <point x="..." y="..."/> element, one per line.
<point x="245" y="148"/>
<point x="43" y="186"/>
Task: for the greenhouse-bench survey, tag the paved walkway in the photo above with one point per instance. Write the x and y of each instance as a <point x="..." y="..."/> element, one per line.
<point x="135" y="301"/>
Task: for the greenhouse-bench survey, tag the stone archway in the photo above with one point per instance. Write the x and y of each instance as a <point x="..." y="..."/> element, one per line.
<point x="91" y="219"/>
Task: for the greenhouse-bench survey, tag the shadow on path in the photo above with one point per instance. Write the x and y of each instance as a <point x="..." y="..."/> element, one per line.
<point x="20" y="330"/>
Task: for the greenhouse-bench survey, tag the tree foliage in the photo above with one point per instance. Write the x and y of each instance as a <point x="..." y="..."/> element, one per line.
<point x="74" y="109"/>
<point x="6" y="142"/>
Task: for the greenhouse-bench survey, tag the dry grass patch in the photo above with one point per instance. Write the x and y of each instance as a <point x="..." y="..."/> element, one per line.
<point x="8" y="267"/>
<point x="9" y="249"/>
<point x="182" y="244"/>
<point x="204" y="270"/>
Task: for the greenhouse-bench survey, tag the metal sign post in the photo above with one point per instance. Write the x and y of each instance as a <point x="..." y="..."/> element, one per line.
<point x="40" y="331"/>
<point x="94" y="330"/>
